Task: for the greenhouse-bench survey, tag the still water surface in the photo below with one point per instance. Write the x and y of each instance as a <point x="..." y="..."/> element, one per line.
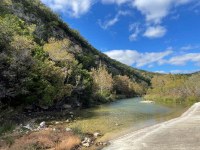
<point x="123" y="116"/>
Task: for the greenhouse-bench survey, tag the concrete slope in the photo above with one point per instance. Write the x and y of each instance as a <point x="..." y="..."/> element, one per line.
<point x="182" y="133"/>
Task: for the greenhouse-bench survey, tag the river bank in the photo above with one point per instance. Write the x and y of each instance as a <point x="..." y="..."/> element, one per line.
<point x="108" y="121"/>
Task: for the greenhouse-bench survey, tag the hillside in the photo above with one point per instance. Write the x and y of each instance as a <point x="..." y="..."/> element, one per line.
<point x="49" y="25"/>
<point x="44" y="61"/>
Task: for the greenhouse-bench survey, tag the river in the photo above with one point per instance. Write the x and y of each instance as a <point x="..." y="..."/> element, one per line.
<point x="123" y="116"/>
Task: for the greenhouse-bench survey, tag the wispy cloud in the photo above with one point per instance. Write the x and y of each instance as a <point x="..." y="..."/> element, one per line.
<point x="133" y="57"/>
<point x="190" y="47"/>
<point x="110" y="22"/>
<point x="182" y="71"/>
<point x="150" y="59"/>
<point x="176" y="71"/>
<point x="154" y="12"/>
<point x="181" y="60"/>
<point x="135" y="29"/>
<point x="74" y="8"/>
<point x="155" y="32"/>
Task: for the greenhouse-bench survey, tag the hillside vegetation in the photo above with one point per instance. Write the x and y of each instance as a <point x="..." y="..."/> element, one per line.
<point x="180" y="89"/>
<point x="44" y="62"/>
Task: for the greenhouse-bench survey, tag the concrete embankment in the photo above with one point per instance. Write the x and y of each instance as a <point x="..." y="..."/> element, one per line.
<point x="182" y="133"/>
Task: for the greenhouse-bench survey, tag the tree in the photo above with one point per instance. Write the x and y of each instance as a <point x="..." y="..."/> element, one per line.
<point x="123" y="85"/>
<point x="102" y="82"/>
<point x="57" y="50"/>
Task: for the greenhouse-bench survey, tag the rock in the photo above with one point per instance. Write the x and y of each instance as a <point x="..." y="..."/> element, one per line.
<point x="102" y="144"/>
<point x="71" y="113"/>
<point x="68" y="129"/>
<point x="44" y="107"/>
<point x="43" y="124"/>
<point x="28" y="126"/>
<point x="116" y="124"/>
<point x="66" y="106"/>
<point x="86" y="144"/>
<point x="56" y="122"/>
<point x="96" y="134"/>
<point x="67" y="121"/>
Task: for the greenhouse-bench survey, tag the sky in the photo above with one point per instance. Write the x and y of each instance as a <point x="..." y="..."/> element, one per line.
<point x="154" y="35"/>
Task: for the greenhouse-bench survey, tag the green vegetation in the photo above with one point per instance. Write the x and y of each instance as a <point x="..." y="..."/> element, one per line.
<point x="123" y="85"/>
<point x="175" y="88"/>
<point x="43" y="61"/>
<point x="6" y="127"/>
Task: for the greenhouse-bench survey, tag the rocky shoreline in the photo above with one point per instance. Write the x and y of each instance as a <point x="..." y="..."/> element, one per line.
<point x="52" y="124"/>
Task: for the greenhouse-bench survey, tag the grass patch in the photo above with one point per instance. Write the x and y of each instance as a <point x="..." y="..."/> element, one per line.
<point x="9" y="140"/>
<point x="78" y="131"/>
<point x="6" y="127"/>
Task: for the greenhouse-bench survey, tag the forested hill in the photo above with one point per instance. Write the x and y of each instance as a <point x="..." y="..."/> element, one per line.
<point x="43" y="61"/>
<point x="48" y="25"/>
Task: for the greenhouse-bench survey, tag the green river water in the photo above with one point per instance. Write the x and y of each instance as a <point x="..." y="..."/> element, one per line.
<point x="123" y="116"/>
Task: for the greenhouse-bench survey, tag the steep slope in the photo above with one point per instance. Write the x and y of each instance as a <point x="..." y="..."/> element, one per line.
<point x="39" y="50"/>
<point x="49" y="25"/>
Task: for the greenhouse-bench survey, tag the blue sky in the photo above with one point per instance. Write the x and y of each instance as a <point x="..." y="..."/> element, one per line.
<point x="154" y="35"/>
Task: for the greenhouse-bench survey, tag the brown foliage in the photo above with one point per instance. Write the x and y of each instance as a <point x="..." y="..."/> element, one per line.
<point x="46" y="139"/>
<point x="68" y="144"/>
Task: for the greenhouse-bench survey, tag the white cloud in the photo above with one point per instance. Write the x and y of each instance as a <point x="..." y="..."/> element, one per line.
<point x="128" y="57"/>
<point x="74" y="8"/>
<point x="133" y="57"/>
<point x="182" y="71"/>
<point x="135" y="29"/>
<point x="190" y="47"/>
<point x="181" y="60"/>
<point x="113" y="21"/>
<point x="151" y="59"/>
<point x="155" y="10"/>
<point x="176" y="71"/>
<point x="155" y="32"/>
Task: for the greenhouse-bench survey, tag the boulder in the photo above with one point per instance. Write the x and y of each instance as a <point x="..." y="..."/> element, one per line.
<point x="43" y="124"/>
<point x="44" y="107"/>
<point x="56" y="122"/>
<point x="68" y="129"/>
<point x="96" y="134"/>
<point x="28" y="126"/>
<point x="86" y="144"/>
<point x="66" y="106"/>
<point x="67" y="121"/>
